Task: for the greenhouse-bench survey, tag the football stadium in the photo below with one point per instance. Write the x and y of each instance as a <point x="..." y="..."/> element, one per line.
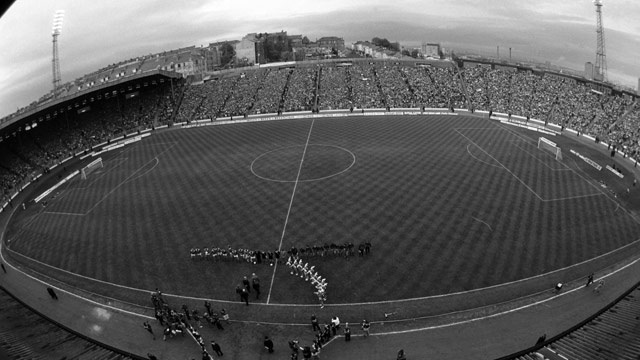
<point x="459" y="207"/>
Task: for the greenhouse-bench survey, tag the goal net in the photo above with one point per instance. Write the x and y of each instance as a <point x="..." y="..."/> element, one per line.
<point x="548" y="145"/>
<point x="93" y="166"/>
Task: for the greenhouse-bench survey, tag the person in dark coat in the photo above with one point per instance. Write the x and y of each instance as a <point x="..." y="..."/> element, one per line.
<point x="52" y="293"/>
<point x="401" y="355"/>
<point x="256" y="284"/>
<point x="246" y="284"/>
<point x="590" y="279"/>
<point x="244" y="295"/>
<point x="347" y="332"/>
<point x="268" y="344"/>
<point x="314" y="323"/>
<point x="216" y="348"/>
<point x="149" y="329"/>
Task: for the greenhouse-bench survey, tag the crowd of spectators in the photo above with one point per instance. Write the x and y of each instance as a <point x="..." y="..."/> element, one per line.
<point x="556" y="99"/>
<point x="364" y="88"/>
<point x="27" y="153"/>
<point x="334" y="91"/>
<point x="243" y="94"/>
<point x="394" y="87"/>
<point x="269" y="97"/>
<point x="358" y="85"/>
<point x="301" y="90"/>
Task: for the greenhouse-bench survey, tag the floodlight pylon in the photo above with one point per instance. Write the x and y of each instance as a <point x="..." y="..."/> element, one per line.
<point x="55" y="62"/>
<point x="601" y="54"/>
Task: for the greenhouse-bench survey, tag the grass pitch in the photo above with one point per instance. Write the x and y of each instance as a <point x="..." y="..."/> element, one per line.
<point x="449" y="203"/>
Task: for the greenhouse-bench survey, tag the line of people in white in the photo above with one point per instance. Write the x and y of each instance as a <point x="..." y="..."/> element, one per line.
<point x="309" y="273"/>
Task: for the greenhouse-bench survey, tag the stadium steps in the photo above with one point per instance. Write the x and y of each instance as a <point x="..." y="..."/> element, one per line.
<point x="26" y="335"/>
<point x="232" y="87"/>
<point x="613" y="334"/>
<point x="463" y="85"/>
<point x="622" y="118"/>
<point x="526" y="357"/>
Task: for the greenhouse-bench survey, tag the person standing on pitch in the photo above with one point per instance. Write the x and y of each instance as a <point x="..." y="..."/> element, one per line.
<point x="149" y="329"/>
<point x="314" y="323"/>
<point x="245" y="283"/>
<point x="589" y="280"/>
<point x="216" y="348"/>
<point x="365" y="327"/>
<point x="256" y="284"/>
<point x="52" y="293"/>
<point x="268" y="344"/>
<point x="347" y="332"/>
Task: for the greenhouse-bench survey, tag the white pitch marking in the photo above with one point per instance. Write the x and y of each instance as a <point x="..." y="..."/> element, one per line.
<point x="128" y="179"/>
<point x="146" y="172"/>
<point x="482" y="161"/>
<point x="489" y="226"/>
<point x="565" y="167"/>
<point x="572" y="197"/>
<point x="63" y="213"/>
<point x="507" y="169"/>
<point x="286" y="220"/>
<point x="307" y="180"/>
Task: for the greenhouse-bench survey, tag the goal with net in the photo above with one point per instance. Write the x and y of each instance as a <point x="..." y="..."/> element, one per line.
<point x="93" y="166"/>
<point x="548" y="145"/>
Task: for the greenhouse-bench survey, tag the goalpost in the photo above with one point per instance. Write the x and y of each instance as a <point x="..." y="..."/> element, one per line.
<point x="95" y="164"/>
<point x="548" y="145"/>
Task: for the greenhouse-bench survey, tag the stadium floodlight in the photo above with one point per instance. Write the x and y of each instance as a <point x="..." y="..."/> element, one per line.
<point x="601" y="52"/>
<point x="57" y="28"/>
<point x="58" y="17"/>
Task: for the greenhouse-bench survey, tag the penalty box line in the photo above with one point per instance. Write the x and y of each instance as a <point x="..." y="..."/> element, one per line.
<point x="126" y="180"/>
<point x="64" y="192"/>
<point x="564" y="167"/>
<point x="501" y="164"/>
<point x="522" y="182"/>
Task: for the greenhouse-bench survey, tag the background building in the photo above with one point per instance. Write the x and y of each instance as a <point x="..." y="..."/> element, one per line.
<point x="246" y="49"/>
<point x="431" y="50"/>
<point x="331" y="42"/>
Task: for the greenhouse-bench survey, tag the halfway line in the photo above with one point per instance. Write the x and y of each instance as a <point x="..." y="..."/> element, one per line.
<point x="286" y="220"/>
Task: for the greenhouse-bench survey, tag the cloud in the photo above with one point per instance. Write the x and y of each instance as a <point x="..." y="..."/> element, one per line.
<point x="96" y="34"/>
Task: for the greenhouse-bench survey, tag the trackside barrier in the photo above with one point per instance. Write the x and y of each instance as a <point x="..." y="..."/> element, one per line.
<point x="327" y="114"/>
<point x="54" y="187"/>
<point x="586" y="159"/>
<point x="532" y="128"/>
<point x="87" y="155"/>
<point x="259" y="115"/>
<point x="615" y="172"/>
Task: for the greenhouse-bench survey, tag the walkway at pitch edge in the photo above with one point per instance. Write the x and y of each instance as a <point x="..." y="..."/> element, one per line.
<point x="487" y="337"/>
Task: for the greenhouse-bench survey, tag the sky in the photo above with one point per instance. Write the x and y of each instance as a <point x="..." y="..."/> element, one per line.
<point x="98" y="33"/>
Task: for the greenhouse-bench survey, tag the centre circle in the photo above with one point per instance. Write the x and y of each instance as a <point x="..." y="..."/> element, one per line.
<point x="286" y="164"/>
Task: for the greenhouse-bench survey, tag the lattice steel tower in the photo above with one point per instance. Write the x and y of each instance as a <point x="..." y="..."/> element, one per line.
<point x="601" y="54"/>
<point x="55" y="63"/>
